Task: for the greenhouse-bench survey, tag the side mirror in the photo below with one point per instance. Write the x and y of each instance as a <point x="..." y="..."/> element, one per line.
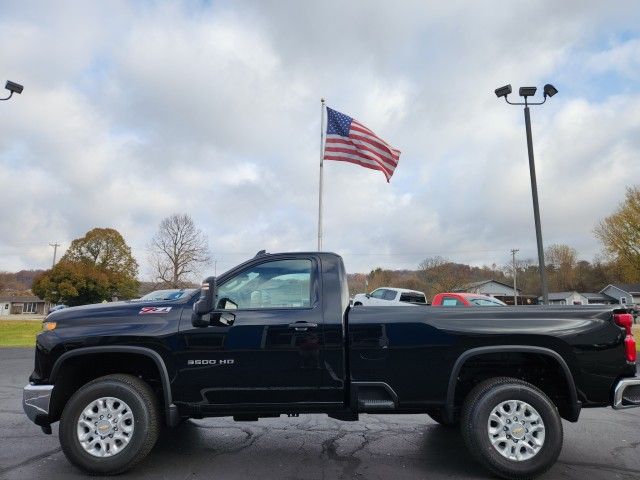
<point x="204" y="305"/>
<point x="368" y="295"/>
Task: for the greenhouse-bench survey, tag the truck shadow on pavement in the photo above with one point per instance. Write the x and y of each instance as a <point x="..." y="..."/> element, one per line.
<point x="312" y="447"/>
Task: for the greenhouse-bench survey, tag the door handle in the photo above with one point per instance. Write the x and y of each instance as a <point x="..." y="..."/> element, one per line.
<point x="302" y="326"/>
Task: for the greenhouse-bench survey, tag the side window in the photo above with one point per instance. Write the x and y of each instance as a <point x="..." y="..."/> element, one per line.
<point x="389" y="295"/>
<point x="277" y="284"/>
<point x="450" y="302"/>
<point x="412" y="297"/>
<point x="29" y="307"/>
<point x="379" y="293"/>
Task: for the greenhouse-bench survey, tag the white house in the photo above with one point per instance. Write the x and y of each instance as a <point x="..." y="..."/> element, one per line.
<point x="567" y="298"/>
<point x="623" y="293"/>
<point x="488" y="287"/>
<point x="26" y="305"/>
<point x="499" y="290"/>
<point x="598" y="298"/>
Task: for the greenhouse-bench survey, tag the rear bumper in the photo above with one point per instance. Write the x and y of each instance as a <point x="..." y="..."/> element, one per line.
<point x="626" y="393"/>
<point x="35" y="402"/>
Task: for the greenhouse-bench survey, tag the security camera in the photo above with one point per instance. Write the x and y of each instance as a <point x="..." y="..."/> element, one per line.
<point x="528" y="91"/>
<point x="13" y="87"/>
<point x="503" y="91"/>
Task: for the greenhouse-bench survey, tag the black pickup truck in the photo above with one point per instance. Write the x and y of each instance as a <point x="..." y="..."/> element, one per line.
<point x="275" y="335"/>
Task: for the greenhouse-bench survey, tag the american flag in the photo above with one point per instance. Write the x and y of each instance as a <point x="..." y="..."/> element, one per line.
<point x="349" y="141"/>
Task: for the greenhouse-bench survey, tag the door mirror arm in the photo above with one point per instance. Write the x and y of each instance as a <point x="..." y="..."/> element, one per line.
<point x="205" y="304"/>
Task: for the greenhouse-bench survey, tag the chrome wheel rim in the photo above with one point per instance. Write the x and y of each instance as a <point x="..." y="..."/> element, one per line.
<point x="516" y="430"/>
<point x="105" y="427"/>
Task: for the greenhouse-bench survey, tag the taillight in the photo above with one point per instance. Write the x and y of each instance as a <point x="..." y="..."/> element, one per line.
<point x="625" y="320"/>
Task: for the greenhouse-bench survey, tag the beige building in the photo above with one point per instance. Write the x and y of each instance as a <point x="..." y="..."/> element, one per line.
<point x="23" y="305"/>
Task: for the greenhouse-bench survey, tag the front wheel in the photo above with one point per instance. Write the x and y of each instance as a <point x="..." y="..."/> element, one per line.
<point x="512" y="428"/>
<point x="110" y="424"/>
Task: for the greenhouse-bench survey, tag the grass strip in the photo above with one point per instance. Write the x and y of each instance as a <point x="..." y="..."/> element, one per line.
<point x="19" y="333"/>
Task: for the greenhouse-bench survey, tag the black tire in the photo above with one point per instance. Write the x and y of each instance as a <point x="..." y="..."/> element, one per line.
<point x="474" y="425"/>
<point x="143" y="403"/>
<point x="357" y="304"/>
<point x="436" y="416"/>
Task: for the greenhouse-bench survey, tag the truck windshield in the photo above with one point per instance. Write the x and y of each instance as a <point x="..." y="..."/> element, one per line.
<point x="170" y="294"/>
<point x="487" y="302"/>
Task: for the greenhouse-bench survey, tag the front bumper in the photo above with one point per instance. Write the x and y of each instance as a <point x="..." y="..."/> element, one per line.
<point x="35" y="402"/>
<point x="626" y="393"/>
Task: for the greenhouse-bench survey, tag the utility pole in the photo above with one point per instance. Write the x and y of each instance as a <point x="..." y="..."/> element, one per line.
<point x="515" y="288"/>
<point x="55" y="251"/>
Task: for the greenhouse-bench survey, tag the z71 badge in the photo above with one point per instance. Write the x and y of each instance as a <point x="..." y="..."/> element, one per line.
<point x="147" y="310"/>
<point x="226" y="361"/>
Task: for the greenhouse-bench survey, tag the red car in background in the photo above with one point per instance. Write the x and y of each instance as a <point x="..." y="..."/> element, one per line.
<point x="449" y="299"/>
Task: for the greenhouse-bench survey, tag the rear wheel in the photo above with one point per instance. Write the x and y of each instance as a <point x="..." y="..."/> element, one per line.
<point x="512" y="428"/>
<point x="110" y="424"/>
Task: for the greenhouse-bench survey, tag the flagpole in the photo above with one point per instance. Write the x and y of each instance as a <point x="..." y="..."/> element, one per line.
<point x="321" y="165"/>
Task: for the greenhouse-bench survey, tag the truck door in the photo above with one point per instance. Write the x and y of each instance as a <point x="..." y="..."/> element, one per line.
<point x="377" y="297"/>
<point x="265" y="341"/>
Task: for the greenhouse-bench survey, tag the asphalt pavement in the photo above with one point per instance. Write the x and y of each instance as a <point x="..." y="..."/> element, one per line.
<point x="604" y="444"/>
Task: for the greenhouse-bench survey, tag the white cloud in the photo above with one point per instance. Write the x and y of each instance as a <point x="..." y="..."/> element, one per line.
<point x="622" y="58"/>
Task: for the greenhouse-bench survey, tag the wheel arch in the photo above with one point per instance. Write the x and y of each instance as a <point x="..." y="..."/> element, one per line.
<point x="167" y="400"/>
<point x="574" y="404"/>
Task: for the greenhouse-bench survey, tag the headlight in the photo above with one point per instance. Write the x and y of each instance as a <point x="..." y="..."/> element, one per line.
<point x="48" y="326"/>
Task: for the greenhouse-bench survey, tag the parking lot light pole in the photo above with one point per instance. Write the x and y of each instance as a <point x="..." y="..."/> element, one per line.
<point x="526" y="92"/>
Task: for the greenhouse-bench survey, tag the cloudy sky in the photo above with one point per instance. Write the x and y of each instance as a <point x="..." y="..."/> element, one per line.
<point x="135" y="110"/>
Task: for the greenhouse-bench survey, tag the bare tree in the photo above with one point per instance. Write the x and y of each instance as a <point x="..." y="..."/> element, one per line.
<point x="178" y="251"/>
<point x="441" y="275"/>
<point x="561" y="262"/>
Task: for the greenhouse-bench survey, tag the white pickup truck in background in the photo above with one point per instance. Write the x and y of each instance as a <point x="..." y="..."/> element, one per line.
<point x="390" y="296"/>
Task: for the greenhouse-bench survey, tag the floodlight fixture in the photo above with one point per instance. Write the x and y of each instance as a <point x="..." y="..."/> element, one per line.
<point x="503" y="91"/>
<point x="527" y="91"/>
<point x="13" y="87"/>
<point x="549" y="90"/>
